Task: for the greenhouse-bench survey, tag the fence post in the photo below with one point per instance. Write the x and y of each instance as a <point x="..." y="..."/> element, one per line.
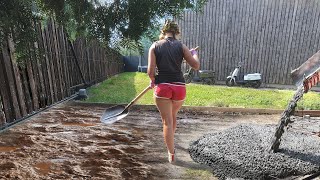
<point x="76" y="59"/>
<point x="5" y="92"/>
<point x="2" y="116"/>
<point x="33" y="86"/>
<point x="17" y="78"/>
<point x="12" y="97"/>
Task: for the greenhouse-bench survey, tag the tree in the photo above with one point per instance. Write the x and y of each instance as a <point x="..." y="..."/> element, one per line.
<point x="124" y="19"/>
<point x="16" y="22"/>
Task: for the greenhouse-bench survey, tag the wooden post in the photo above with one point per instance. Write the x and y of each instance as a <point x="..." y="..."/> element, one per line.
<point x="55" y="50"/>
<point x="38" y="66"/>
<point x="2" y="116"/>
<point x="5" y="91"/>
<point x="8" y="72"/>
<point x="52" y="62"/>
<point x="33" y="87"/>
<point x="17" y="78"/>
<point x="66" y="79"/>
<point x="48" y="69"/>
<point x="27" y="94"/>
<point x="76" y="59"/>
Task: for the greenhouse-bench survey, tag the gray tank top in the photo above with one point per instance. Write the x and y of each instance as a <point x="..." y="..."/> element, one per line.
<point x="169" y="56"/>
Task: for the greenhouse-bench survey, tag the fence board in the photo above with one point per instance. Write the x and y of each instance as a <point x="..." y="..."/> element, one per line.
<point x="25" y="86"/>
<point x="316" y="41"/>
<point x="17" y="80"/>
<point x="274" y="49"/>
<point x="2" y="116"/>
<point x="288" y="47"/>
<point x="47" y="69"/>
<point x="256" y="20"/>
<point x="234" y="48"/>
<point x="293" y="60"/>
<point x="62" y="57"/>
<point x="219" y="27"/>
<point x="313" y="31"/>
<point x="76" y="56"/>
<point x="37" y="66"/>
<point x="298" y="33"/>
<point x="205" y="34"/>
<point x="69" y="60"/>
<point x="241" y="43"/>
<point x="56" y="50"/>
<point x="33" y="87"/>
<point x="54" y="62"/>
<point x="88" y="64"/>
<point x="308" y="28"/>
<point x="245" y="32"/>
<point x="249" y="52"/>
<point x="281" y="56"/>
<point x="38" y="77"/>
<point x="210" y="21"/>
<point x="268" y="48"/>
<point x="261" y="39"/>
<point x="100" y="59"/>
<point x="224" y="36"/>
<point x="8" y="73"/>
<point x="65" y="74"/>
<point x="99" y="62"/>
<point x="248" y="35"/>
<point x="275" y="43"/>
<point x="5" y="91"/>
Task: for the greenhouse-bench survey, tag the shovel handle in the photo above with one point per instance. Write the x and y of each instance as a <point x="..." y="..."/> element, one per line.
<point x="138" y="97"/>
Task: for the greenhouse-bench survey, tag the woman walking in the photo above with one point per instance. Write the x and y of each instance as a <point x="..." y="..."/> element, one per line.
<point x="164" y="69"/>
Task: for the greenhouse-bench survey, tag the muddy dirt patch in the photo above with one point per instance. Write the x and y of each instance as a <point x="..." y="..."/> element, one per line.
<point x="69" y="142"/>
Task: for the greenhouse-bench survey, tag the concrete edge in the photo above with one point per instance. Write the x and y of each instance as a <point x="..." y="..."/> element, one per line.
<point x="207" y="109"/>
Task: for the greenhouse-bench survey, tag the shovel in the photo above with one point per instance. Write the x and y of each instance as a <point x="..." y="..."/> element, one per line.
<point x="118" y="112"/>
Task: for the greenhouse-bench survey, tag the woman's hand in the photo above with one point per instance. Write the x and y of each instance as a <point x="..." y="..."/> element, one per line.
<point x="151" y="84"/>
<point x="190" y="55"/>
<point x="193" y="51"/>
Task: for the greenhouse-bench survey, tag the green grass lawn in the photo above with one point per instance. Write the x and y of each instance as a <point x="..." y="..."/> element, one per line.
<point x="121" y="89"/>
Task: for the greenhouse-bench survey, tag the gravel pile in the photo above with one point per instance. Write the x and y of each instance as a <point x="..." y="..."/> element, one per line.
<point x="242" y="152"/>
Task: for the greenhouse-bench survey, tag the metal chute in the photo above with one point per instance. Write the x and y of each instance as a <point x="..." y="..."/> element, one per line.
<point x="308" y="74"/>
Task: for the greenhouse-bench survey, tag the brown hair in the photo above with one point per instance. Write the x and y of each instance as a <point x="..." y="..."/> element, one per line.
<point x="169" y="26"/>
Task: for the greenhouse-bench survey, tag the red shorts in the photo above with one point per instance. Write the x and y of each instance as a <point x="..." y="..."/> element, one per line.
<point x="173" y="91"/>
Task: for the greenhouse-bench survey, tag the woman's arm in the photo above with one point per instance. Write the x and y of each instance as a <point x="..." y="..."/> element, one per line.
<point x="192" y="60"/>
<point x="151" y="63"/>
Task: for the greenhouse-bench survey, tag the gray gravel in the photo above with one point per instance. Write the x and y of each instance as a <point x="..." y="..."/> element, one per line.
<point x="242" y="152"/>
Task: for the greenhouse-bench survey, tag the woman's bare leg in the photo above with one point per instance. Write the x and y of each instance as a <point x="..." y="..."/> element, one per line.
<point x="176" y="105"/>
<point x="165" y="109"/>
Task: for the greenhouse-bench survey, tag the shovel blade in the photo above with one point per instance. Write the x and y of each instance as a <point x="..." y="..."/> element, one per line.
<point x="307" y="69"/>
<point x="116" y="118"/>
<point x="112" y="113"/>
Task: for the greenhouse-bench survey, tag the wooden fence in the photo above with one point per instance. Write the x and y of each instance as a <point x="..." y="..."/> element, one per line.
<point x="269" y="36"/>
<point x="60" y="69"/>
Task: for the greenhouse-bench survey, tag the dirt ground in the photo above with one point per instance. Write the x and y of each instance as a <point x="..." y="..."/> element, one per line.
<point x="69" y="142"/>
